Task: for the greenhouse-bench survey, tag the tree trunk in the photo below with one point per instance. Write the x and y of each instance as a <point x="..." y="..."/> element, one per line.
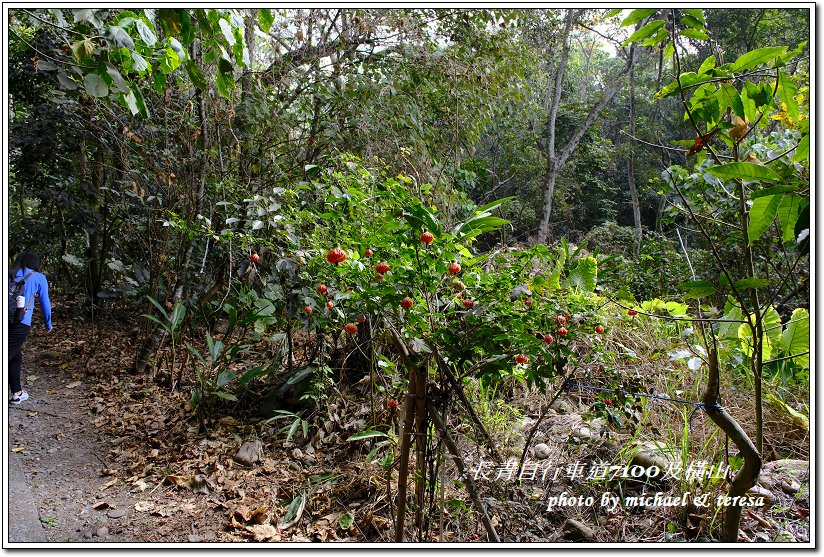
<point x="95" y="235"/>
<point x="556" y="160"/>
<point x="633" y="191"/>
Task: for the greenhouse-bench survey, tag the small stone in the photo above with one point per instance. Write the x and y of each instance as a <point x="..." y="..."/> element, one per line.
<point x="758" y="491"/>
<point x="88" y="534"/>
<point x="541" y="451"/>
<point x="578" y="531"/>
<point x="249" y="453"/>
<point x="194" y="538"/>
<point x="790" y="488"/>
<point x="208" y="536"/>
<point x="102" y="532"/>
<point x="117" y="513"/>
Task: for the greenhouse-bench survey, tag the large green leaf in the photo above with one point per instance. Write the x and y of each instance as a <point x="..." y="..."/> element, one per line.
<point x="584" y="275"/>
<point x="762" y="214"/>
<point x="265" y="19"/>
<point x="747" y="171"/>
<point x="95" y="86"/>
<point x="646" y="31"/>
<point x="637" y="15"/>
<point x="788" y="212"/>
<point x="796" y="337"/>
<point x="802" y="152"/>
<point x="787" y="90"/>
<point x="146" y="33"/>
<point x="771" y="325"/>
<point x="756" y="57"/>
<point x="196" y="75"/>
<point x="697" y="289"/>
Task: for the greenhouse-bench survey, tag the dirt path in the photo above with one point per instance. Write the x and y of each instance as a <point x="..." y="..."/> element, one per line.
<point x="80" y="495"/>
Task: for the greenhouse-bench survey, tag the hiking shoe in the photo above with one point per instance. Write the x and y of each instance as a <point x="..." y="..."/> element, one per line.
<point x="17" y="398"/>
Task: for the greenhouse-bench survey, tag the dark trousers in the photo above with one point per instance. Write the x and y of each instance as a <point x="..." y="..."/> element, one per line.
<point x="17" y="336"/>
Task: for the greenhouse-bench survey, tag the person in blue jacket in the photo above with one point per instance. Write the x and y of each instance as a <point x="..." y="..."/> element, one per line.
<point x="36" y="286"/>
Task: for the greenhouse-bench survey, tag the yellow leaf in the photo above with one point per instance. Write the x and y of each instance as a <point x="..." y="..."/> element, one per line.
<point x="18" y="449"/>
<point x="739" y="128"/>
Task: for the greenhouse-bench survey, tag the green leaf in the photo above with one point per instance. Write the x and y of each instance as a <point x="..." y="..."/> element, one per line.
<point x="637" y="15"/>
<point x="750" y="282"/>
<point x="788" y="212"/>
<point x="747" y="171"/>
<point x="118" y="37"/>
<point x="612" y="13"/>
<point x="796" y="337"/>
<point x="692" y="22"/>
<point x="489" y="207"/>
<point x="802" y="152"/>
<point x="367" y="434"/>
<point x="227" y="31"/>
<point x="227" y="396"/>
<point x="697" y="13"/>
<point x="707" y="65"/>
<point x="798" y="418"/>
<point x="644" y="32"/>
<point x="131" y="102"/>
<point x="346" y="519"/>
<point x="695" y="34"/>
<point x="293" y="509"/>
<point x="224" y="84"/>
<point x="225" y="377"/>
<point x="196" y="75"/>
<point x="729" y="96"/>
<point x="95" y="86"/>
<point x="771" y="324"/>
<point x="224" y="66"/>
<point x="146" y="34"/>
<point x="762" y="214"/>
<point x="697" y="289"/>
<point x="584" y="275"/>
<point x="120" y="84"/>
<point x="756" y="58"/>
<point x="787" y="90"/>
<point x="772" y="191"/>
<point x="140" y="63"/>
<point x="265" y="19"/>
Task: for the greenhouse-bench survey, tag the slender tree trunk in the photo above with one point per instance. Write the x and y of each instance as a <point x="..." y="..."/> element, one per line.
<point x="633" y="190"/>
<point x="555" y="159"/>
<point x="95" y="236"/>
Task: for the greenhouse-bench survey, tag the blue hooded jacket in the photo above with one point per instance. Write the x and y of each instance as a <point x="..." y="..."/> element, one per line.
<point x="36" y="285"/>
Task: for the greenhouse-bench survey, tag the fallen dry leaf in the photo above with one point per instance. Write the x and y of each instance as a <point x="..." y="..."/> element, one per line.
<point x="101" y="505"/>
<point x="108" y="484"/>
<point x="74" y="384"/>
<point x="18" y="449"/>
<point x="264" y="532"/>
<point x="144" y="506"/>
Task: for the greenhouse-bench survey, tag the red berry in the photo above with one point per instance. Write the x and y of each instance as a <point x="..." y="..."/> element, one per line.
<point x="560" y="320"/>
<point x="468" y="304"/>
<point x="336" y="256"/>
<point x="307" y="309"/>
<point x="427" y="237"/>
<point x="528" y="302"/>
<point x="382" y="268"/>
<point x="361" y="319"/>
<point x="368" y="253"/>
<point x="599" y="329"/>
<point x="350" y="328"/>
<point x="632" y="312"/>
<point x="549" y="338"/>
<point x="254" y="258"/>
<point x="378" y="278"/>
<point x="459" y="297"/>
<point x="521" y="359"/>
<point x="608" y="402"/>
<point x="322" y="289"/>
<point x="406" y="303"/>
<point x="393" y="404"/>
<point x="454" y="268"/>
<point x="562" y="331"/>
<point x="330" y="304"/>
